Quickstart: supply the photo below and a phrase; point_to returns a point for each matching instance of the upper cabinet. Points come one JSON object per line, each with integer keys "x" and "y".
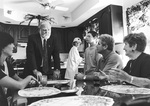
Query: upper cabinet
{"x": 64, "y": 36}
{"x": 107, "y": 21}
{"x": 19, "y": 32}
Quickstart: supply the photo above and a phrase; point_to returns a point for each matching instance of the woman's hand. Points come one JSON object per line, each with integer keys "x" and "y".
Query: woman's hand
{"x": 119, "y": 74}
{"x": 32, "y": 81}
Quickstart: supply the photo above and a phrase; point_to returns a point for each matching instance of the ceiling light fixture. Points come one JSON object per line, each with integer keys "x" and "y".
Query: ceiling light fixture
{"x": 46, "y": 6}
{"x": 52, "y": 4}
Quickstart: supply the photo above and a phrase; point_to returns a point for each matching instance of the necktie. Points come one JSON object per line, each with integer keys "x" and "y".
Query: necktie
{"x": 45, "y": 58}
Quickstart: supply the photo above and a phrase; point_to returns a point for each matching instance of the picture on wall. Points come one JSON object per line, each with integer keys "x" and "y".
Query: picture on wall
{"x": 93, "y": 25}
{"x": 138, "y": 15}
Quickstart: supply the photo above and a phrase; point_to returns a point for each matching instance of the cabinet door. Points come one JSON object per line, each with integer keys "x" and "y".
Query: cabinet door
{"x": 25, "y": 31}
{"x": 105, "y": 24}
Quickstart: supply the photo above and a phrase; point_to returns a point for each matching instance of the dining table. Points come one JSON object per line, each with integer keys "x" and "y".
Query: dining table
{"x": 97, "y": 88}
{"x": 124, "y": 96}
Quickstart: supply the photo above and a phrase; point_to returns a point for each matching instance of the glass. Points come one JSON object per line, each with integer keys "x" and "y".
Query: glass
{"x": 44, "y": 80}
{"x": 56, "y": 74}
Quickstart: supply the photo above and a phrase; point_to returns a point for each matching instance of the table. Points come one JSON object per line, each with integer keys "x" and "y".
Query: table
{"x": 63, "y": 66}
{"x": 93, "y": 88}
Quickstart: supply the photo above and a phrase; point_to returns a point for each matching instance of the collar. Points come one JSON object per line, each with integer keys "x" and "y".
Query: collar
{"x": 47, "y": 37}
{"x": 107, "y": 55}
{"x": 138, "y": 57}
{"x": 42, "y": 38}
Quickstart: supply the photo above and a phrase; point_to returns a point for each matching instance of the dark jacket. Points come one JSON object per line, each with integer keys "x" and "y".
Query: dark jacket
{"x": 34, "y": 54}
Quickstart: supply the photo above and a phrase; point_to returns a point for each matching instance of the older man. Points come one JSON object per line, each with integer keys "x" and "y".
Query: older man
{"x": 40, "y": 48}
{"x": 109, "y": 59}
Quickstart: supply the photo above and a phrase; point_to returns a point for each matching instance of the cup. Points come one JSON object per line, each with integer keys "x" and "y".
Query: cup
{"x": 56, "y": 75}
{"x": 44, "y": 80}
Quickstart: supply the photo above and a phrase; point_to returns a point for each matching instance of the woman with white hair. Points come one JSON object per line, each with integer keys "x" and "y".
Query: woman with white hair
{"x": 74, "y": 60}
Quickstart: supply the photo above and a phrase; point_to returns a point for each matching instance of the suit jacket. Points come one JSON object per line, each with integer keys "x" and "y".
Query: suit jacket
{"x": 34, "y": 54}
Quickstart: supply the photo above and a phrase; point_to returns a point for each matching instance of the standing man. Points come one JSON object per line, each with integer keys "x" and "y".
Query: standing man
{"x": 91, "y": 55}
{"x": 40, "y": 48}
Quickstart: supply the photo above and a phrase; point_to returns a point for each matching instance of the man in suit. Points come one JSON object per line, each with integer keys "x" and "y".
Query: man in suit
{"x": 35, "y": 57}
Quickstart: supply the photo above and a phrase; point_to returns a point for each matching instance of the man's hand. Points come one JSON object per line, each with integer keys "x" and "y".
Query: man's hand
{"x": 79, "y": 76}
{"x": 38, "y": 74}
{"x": 100, "y": 74}
{"x": 56, "y": 74}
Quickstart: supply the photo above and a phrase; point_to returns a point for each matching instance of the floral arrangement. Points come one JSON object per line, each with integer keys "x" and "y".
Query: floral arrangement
{"x": 30, "y": 17}
{"x": 138, "y": 15}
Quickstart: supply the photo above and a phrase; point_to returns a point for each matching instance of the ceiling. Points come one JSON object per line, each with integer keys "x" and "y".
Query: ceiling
{"x": 78, "y": 10}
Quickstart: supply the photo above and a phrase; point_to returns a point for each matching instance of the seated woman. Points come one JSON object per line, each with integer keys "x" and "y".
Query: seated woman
{"x": 9, "y": 79}
{"x": 137, "y": 70}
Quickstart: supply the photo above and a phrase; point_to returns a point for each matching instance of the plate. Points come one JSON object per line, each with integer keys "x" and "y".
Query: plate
{"x": 70, "y": 91}
{"x": 81, "y": 64}
{"x": 58, "y": 81}
{"x": 38, "y": 92}
{"x": 83, "y": 100}
{"x": 126, "y": 89}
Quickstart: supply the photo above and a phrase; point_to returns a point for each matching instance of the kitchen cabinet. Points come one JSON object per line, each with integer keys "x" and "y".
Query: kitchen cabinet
{"x": 64, "y": 36}
{"x": 109, "y": 20}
